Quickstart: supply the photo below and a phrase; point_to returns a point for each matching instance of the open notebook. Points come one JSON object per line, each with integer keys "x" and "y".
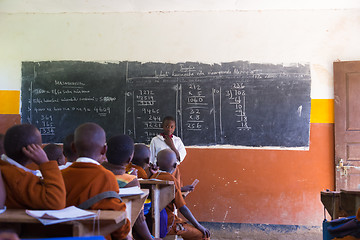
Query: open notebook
{"x": 48, "y": 217}
{"x": 131, "y": 191}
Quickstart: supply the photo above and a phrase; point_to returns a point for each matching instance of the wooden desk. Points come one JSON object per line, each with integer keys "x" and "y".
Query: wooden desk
{"x": 29, "y": 227}
{"x": 350, "y": 201}
{"x": 134, "y": 205}
{"x": 162, "y": 193}
{"x": 331, "y": 202}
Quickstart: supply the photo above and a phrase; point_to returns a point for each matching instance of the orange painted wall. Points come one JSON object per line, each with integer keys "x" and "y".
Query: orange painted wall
{"x": 262, "y": 186}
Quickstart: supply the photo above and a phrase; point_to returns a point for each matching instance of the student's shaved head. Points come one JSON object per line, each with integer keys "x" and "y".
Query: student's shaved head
{"x": 67, "y": 149}
{"x": 89, "y": 140}
{"x": 120, "y": 150}
{"x": 141, "y": 155}
{"x": 20, "y": 136}
{"x": 166, "y": 160}
{"x": 55, "y": 152}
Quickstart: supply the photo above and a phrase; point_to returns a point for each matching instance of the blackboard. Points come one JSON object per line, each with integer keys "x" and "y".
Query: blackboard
{"x": 235, "y": 103}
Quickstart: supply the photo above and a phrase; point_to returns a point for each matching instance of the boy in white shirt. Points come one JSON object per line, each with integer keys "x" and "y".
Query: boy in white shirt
{"x": 167, "y": 140}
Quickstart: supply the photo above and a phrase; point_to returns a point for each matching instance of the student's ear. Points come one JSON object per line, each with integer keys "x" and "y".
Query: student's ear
{"x": 103, "y": 150}
{"x": 147, "y": 160}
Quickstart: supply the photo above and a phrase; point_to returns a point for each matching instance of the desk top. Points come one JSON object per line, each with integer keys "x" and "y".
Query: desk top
{"x": 155, "y": 182}
{"x": 19, "y": 216}
{"x": 138, "y": 196}
{"x": 356, "y": 192}
{"x": 330, "y": 193}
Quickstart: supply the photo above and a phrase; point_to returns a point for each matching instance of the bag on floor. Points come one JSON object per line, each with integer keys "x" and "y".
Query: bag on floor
{"x": 326, "y": 234}
{"x": 163, "y": 222}
{"x": 344, "y": 227}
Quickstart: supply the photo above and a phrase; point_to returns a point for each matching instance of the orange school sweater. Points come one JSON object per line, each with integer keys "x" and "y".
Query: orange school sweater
{"x": 178, "y": 201}
{"x": 85, "y": 180}
{"x": 140, "y": 171}
{"x": 24, "y": 190}
{"x": 32, "y": 166}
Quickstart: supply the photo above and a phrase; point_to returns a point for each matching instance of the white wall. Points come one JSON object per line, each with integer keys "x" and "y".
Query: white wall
{"x": 318, "y": 37}
{"x": 60, "y": 6}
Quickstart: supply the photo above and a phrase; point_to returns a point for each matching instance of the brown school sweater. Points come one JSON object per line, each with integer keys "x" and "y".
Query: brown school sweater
{"x": 179, "y": 199}
{"x": 24, "y": 190}
{"x": 140, "y": 171}
{"x": 33, "y": 166}
{"x": 85, "y": 180}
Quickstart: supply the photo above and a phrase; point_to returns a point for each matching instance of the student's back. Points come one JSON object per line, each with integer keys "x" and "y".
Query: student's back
{"x": 86, "y": 178}
{"x": 119, "y": 154}
{"x": 177, "y": 226}
{"x": 141, "y": 162}
{"x": 23, "y": 188}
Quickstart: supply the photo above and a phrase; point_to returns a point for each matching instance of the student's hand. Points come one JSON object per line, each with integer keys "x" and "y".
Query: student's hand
{"x": 188, "y": 188}
{"x": 168, "y": 140}
{"x": 133, "y": 171}
{"x": 153, "y": 169}
{"x": 206, "y": 232}
{"x": 35, "y": 153}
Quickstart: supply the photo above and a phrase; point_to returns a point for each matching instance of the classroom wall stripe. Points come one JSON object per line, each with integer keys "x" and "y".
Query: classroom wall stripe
{"x": 322, "y": 111}
{"x": 9, "y": 102}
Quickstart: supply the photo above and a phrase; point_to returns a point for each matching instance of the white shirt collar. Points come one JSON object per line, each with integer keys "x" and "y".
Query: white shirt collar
{"x": 16, "y": 164}
{"x": 68, "y": 164}
{"x": 87, "y": 160}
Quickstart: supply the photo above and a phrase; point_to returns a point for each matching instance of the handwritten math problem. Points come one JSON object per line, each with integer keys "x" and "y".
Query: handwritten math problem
{"x": 235, "y": 103}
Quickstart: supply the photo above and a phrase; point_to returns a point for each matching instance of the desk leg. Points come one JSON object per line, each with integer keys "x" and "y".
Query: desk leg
{"x": 129, "y": 214}
{"x": 78, "y": 229}
{"x": 156, "y": 211}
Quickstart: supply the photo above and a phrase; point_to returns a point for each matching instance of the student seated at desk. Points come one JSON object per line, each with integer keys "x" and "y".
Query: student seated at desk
{"x": 86, "y": 178}
{"x": 4, "y": 233}
{"x": 53, "y": 152}
{"x": 141, "y": 162}
{"x": 69, "y": 153}
{"x": 119, "y": 154}
{"x": 22, "y": 145}
{"x": 167, "y": 140}
{"x": 166, "y": 160}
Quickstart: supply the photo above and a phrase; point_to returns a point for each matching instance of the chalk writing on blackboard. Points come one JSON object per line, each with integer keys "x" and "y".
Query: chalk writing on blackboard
{"x": 234, "y": 103}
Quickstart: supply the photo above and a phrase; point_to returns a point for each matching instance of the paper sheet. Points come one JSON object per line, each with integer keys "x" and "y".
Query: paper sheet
{"x": 48, "y": 217}
{"x": 123, "y": 192}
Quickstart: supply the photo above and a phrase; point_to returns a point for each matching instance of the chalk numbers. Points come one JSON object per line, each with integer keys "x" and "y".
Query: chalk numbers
{"x": 237, "y": 97}
{"x": 196, "y": 100}
{"x": 47, "y": 126}
{"x": 151, "y": 115}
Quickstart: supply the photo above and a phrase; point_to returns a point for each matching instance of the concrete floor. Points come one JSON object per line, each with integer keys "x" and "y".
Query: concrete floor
{"x": 257, "y": 235}
{"x": 263, "y": 232}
